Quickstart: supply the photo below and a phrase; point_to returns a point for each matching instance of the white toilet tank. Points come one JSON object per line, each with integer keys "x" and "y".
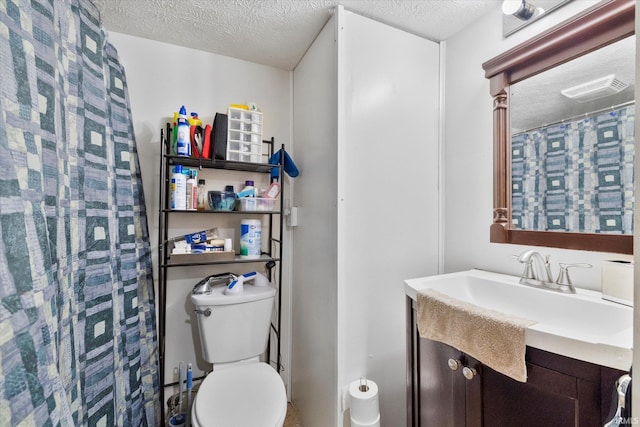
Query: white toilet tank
{"x": 234, "y": 327}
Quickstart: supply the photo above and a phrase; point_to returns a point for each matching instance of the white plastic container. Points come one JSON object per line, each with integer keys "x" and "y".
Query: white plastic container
{"x": 178, "y": 189}
{"x": 256, "y": 204}
{"x": 250, "y": 238}
{"x": 244, "y": 135}
{"x": 617, "y": 281}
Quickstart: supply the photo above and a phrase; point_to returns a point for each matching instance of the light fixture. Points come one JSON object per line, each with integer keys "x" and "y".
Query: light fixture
{"x": 594, "y": 89}
{"x": 521, "y": 9}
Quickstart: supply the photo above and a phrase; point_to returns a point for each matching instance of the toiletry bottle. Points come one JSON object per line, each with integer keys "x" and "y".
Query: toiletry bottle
{"x": 178, "y": 189}
{"x": 202, "y": 196}
{"x": 183, "y": 143}
{"x": 273, "y": 191}
{"x": 192, "y": 192}
{"x": 248, "y": 190}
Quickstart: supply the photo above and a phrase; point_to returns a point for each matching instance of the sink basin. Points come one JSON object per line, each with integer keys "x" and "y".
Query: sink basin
{"x": 582, "y": 325}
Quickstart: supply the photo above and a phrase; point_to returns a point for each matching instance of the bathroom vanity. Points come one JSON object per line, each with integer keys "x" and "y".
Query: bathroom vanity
{"x": 446, "y": 387}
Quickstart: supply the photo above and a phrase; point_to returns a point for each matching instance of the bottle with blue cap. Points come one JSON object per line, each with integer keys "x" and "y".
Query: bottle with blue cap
{"x": 183, "y": 139}
{"x": 178, "y": 189}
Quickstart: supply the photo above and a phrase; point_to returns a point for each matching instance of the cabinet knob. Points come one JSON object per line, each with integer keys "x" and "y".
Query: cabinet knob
{"x": 454, "y": 364}
{"x": 468, "y": 372}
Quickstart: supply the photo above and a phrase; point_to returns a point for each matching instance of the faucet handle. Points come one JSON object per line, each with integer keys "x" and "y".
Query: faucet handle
{"x": 563, "y": 276}
{"x": 521, "y": 257}
{"x": 527, "y": 273}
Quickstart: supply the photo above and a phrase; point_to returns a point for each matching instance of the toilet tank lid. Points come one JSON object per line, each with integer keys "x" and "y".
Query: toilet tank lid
{"x": 218, "y": 297}
{"x": 244, "y": 396}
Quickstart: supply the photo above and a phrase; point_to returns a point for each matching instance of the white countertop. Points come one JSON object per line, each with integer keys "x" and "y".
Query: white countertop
{"x": 582, "y": 326}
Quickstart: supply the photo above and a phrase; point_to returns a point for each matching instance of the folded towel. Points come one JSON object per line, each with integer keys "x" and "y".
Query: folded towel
{"x": 496, "y": 339}
{"x": 289, "y": 167}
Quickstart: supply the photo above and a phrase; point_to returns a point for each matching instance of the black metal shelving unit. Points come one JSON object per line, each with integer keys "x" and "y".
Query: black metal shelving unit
{"x": 270, "y": 259}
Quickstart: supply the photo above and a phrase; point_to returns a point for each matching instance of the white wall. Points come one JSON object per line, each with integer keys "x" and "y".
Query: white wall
{"x": 314, "y": 294}
{"x": 161, "y": 77}
{"x": 368, "y": 147}
{"x": 387, "y": 198}
{"x": 469, "y": 151}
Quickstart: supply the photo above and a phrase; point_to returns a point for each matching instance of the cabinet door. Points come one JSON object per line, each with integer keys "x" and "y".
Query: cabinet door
{"x": 549, "y": 398}
{"x": 441, "y": 389}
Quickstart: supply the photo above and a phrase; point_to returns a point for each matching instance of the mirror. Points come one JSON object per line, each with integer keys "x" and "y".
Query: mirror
{"x": 602, "y": 25}
{"x": 572, "y": 144}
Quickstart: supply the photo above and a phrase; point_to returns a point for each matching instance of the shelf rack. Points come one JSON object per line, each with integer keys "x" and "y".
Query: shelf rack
{"x": 271, "y": 258}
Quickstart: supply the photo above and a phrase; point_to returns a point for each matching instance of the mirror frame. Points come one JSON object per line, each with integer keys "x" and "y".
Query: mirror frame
{"x": 598, "y": 26}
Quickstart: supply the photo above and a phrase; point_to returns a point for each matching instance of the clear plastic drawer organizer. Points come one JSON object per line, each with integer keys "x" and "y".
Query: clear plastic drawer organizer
{"x": 244, "y": 139}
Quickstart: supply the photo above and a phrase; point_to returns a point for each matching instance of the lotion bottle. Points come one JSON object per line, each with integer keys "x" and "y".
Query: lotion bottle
{"x": 192, "y": 192}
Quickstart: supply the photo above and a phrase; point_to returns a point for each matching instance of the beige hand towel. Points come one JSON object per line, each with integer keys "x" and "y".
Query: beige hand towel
{"x": 496, "y": 339}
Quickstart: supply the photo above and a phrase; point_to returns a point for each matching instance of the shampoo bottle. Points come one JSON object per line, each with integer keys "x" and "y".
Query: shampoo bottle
{"x": 178, "y": 189}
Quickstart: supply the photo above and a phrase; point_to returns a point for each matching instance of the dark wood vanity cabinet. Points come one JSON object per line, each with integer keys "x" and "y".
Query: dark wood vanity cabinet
{"x": 559, "y": 392}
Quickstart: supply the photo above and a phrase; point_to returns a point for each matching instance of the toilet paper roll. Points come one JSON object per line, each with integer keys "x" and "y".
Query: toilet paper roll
{"x": 364, "y": 402}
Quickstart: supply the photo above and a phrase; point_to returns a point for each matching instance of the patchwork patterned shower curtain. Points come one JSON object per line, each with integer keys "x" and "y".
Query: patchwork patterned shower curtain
{"x": 78, "y": 342}
{"x": 576, "y": 176}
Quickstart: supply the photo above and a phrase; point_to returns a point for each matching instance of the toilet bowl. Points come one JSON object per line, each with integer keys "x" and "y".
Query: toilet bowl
{"x": 247, "y": 395}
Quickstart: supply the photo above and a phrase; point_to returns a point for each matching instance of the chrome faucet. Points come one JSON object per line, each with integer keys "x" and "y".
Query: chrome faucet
{"x": 535, "y": 276}
{"x": 537, "y": 272}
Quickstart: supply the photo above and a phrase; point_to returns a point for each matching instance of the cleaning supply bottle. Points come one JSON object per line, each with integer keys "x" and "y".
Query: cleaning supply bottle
{"x": 178, "y": 189}
{"x": 248, "y": 190}
{"x": 192, "y": 192}
{"x": 202, "y": 196}
{"x": 194, "y": 120}
{"x": 250, "y": 238}
{"x": 174, "y": 134}
{"x": 183, "y": 141}
{"x": 196, "y": 135}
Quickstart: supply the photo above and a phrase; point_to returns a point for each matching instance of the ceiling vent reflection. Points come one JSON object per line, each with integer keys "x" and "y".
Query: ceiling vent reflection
{"x": 595, "y": 89}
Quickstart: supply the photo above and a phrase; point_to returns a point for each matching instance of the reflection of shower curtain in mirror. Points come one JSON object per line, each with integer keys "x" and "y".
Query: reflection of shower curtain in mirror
{"x": 77, "y": 316}
{"x": 576, "y": 176}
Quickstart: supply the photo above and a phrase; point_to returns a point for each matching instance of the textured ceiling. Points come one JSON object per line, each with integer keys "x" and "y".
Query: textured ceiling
{"x": 276, "y": 32}
{"x": 537, "y": 101}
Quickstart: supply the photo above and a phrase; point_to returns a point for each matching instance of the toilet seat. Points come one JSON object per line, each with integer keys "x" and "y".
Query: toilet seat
{"x": 251, "y": 395}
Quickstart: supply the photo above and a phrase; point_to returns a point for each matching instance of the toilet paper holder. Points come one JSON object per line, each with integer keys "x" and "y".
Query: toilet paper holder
{"x": 364, "y": 405}
{"x": 363, "y": 387}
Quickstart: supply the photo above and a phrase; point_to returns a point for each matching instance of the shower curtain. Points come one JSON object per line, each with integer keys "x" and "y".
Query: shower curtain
{"x": 576, "y": 176}
{"x": 78, "y": 342}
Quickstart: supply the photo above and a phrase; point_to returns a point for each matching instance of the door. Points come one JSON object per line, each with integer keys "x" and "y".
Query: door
{"x": 442, "y": 386}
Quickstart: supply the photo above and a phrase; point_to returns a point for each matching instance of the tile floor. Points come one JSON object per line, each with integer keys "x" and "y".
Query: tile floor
{"x": 293, "y": 418}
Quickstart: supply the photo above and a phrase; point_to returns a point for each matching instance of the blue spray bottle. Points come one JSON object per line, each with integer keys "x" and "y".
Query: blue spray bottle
{"x": 183, "y": 142}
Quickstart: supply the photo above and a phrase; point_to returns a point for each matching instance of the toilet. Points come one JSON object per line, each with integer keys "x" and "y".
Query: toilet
{"x": 233, "y": 324}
